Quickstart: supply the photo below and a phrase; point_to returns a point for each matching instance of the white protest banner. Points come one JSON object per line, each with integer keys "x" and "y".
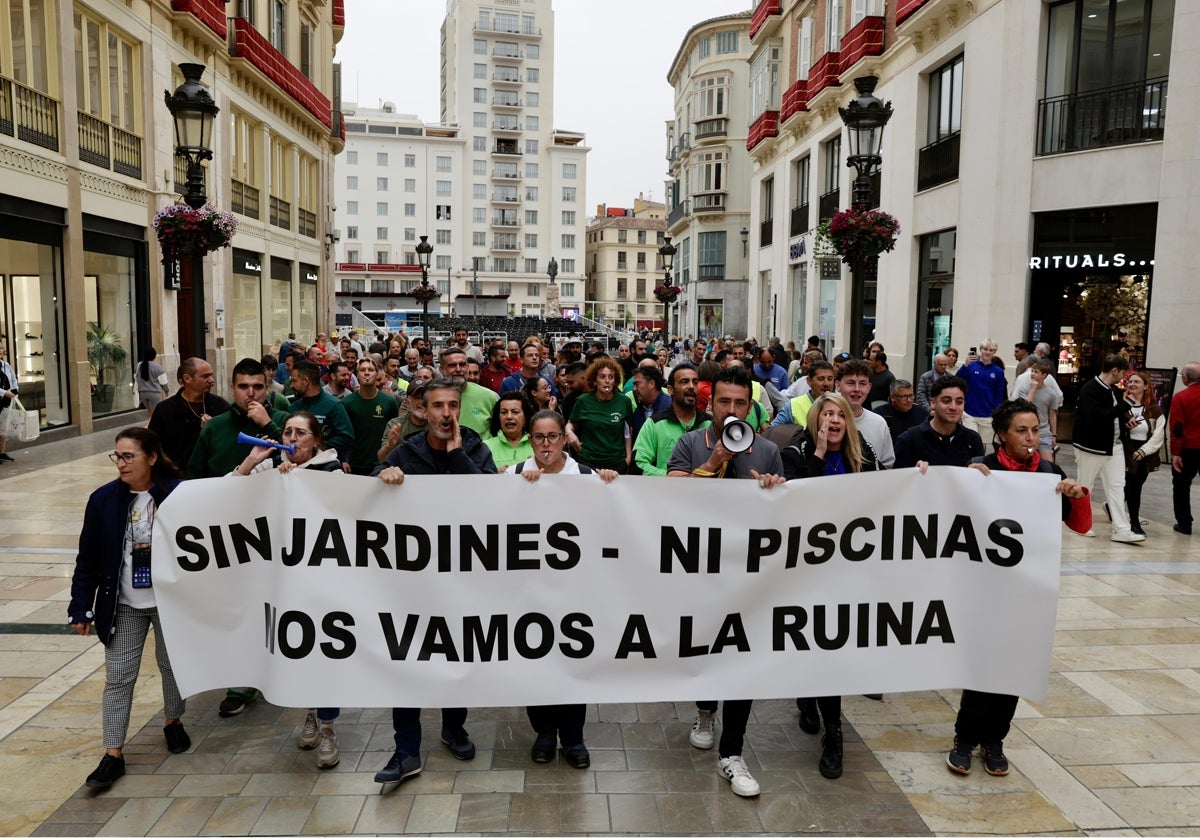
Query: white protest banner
{"x": 334, "y": 590}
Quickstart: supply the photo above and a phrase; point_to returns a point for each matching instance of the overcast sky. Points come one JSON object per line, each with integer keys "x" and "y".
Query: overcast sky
{"x": 610, "y": 82}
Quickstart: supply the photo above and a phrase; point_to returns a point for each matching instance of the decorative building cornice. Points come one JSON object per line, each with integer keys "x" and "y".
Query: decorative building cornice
{"x": 22, "y": 161}
{"x": 92, "y": 182}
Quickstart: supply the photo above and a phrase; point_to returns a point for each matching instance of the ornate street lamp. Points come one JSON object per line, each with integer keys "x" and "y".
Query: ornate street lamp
{"x": 666, "y": 251}
{"x": 865, "y": 119}
{"x": 424, "y": 250}
{"x": 193, "y": 110}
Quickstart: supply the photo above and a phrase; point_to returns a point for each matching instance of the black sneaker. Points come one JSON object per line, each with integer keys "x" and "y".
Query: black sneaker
{"x": 830, "y": 763}
{"x": 959, "y": 759}
{"x": 4, "y": 456}
{"x": 810, "y": 717}
{"x": 235, "y": 702}
{"x": 459, "y": 743}
{"x": 399, "y": 768}
{"x": 177, "y": 739}
{"x": 993, "y": 758}
{"x": 578, "y": 756}
{"x": 111, "y": 768}
{"x": 1183, "y": 529}
{"x": 543, "y": 748}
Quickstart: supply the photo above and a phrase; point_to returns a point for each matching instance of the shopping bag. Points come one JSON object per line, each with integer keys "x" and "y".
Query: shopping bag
{"x": 16, "y": 422}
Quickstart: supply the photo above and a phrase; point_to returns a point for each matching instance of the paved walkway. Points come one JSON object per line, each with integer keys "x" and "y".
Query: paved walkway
{"x": 1115, "y": 749}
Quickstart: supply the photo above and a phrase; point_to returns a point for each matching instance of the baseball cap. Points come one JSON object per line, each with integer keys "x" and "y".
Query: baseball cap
{"x": 842, "y": 358}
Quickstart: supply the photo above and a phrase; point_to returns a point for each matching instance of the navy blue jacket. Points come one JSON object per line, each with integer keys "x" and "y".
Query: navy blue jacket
{"x": 414, "y": 455}
{"x": 960, "y": 448}
{"x": 96, "y": 584}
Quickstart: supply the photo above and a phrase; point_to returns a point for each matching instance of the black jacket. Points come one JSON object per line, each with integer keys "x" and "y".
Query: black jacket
{"x": 799, "y": 462}
{"x": 415, "y": 456}
{"x": 178, "y": 427}
{"x": 96, "y": 584}
{"x": 1095, "y": 410}
{"x": 922, "y": 443}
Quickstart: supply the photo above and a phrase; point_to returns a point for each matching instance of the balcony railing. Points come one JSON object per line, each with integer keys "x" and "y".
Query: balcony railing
{"x": 1115, "y": 116}
{"x": 106, "y": 145}
{"x": 679, "y": 211}
{"x": 244, "y": 199}
{"x": 799, "y": 220}
{"x": 306, "y": 223}
{"x": 505, "y": 52}
{"x": 28, "y": 115}
{"x": 937, "y": 163}
{"x": 766, "y": 232}
{"x": 281, "y": 213}
{"x": 827, "y": 205}
{"x": 506, "y": 78}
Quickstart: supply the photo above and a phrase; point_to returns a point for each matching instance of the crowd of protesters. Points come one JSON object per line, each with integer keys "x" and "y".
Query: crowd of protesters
{"x": 395, "y": 406}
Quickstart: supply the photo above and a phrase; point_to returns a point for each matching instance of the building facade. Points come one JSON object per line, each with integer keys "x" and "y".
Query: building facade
{"x": 1042, "y": 192}
{"x": 624, "y": 266}
{"x": 87, "y": 156}
{"x": 709, "y": 190}
{"x": 512, "y": 199}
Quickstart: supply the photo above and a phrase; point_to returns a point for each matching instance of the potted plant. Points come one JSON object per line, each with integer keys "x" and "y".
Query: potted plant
{"x": 104, "y": 351}
{"x": 861, "y": 233}
{"x": 182, "y": 230}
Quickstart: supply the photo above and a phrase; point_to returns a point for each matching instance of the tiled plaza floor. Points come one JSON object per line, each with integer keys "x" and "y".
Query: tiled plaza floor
{"x": 1115, "y": 749}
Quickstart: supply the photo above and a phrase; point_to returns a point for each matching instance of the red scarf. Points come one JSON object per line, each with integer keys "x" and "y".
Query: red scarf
{"x": 1010, "y": 463}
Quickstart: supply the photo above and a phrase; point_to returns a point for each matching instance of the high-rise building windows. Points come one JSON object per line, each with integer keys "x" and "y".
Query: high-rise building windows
{"x": 531, "y": 170}
{"x": 533, "y": 289}
{"x": 410, "y": 234}
{"x": 479, "y": 167}
{"x": 381, "y": 208}
{"x": 531, "y": 217}
{"x": 410, "y": 184}
{"x": 443, "y": 188}
{"x": 532, "y": 75}
{"x": 479, "y": 144}
{"x": 568, "y": 267}
{"x": 480, "y": 71}
{"x": 533, "y": 51}
{"x": 351, "y": 182}
{"x": 532, "y": 99}
{"x": 568, "y": 217}
{"x": 531, "y": 193}
{"x": 410, "y": 161}
{"x": 530, "y": 265}
{"x": 410, "y": 209}
{"x": 351, "y": 208}
{"x": 531, "y": 240}
{"x": 443, "y": 163}
{"x": 531, "y": 147}
{"x": 478, "y": 216}
{"x": 479, "y": 96}
{"x": 443, "y": 237}
{"x": 381, "y": 158}
{"x": 381, "y": 184}
{"x": 479, "y": 119}
{"x": 568, "y": 240}
{"x": 531, "y": 123}
{"x": 569, "y": 170}
{"x": 568, "y": 194}
{"x": 381, "y": 234}
{"x": 479, "y": 191}
{"x": 479, "y": 238}
{"x": 480, "y": 46}
{"x": 351, "y": 232}
{"x": 352, "y": 158}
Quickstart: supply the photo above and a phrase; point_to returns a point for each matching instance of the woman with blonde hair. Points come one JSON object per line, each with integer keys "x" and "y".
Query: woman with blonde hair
{"x": 830, "y": 445}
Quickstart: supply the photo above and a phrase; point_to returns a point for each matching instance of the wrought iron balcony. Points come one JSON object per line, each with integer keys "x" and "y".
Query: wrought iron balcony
{"x": 937, "y": 163}
{"x": 28, "y": 115}
{"x": 827, "y": 205}
{"x": 281, "y": 213}
{"x": 1114, "y": 116}
{"x": 244, "y": 199}
{"x": 106, "y": 145}
{"x": 678, "y": 212}
{"x": 799, "y": 220}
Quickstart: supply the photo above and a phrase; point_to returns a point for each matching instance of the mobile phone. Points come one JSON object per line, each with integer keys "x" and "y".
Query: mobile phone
{"x": 140, "y": 557}
{"x": 974, "y": 351}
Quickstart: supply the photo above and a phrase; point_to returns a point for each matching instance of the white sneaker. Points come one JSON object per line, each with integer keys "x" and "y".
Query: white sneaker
{"x": 1088, "y": 533}
{"x": 734, "y": 769}
{"x": 1127, "y": 536}
{"x": 310, "y": 735}
{"x": 701, "y": 736}
{"x": 327, "y": 753}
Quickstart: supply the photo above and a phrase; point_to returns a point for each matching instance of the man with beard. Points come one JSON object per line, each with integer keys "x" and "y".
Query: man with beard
{"x": 446, "y": 448}
{"x": 475, "y": 404}
{"x": 179, "y": 418}
{"x": 493, "y": 374}
{"x": 701, "y": 454}
{"x": 658, "y": 436}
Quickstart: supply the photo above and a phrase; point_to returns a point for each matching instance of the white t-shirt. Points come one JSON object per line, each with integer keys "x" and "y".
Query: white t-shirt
{"x": 571, "y": 467}
{"x": 138, "y": 531}
{"x": 875, "y": 431}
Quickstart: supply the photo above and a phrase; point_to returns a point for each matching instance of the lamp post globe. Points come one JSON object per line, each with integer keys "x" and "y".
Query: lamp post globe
{"x": 193, "y": 112}
{"x": 424, "y": 251}
{"x": 667, "y": 252}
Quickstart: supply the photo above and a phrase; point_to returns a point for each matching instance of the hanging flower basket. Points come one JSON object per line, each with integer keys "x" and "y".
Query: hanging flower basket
{"x": 421, "y": 293}
{"x": 859, "y": 233}
{"x": 667, "y": 294}
{"x": 183, "y": 231}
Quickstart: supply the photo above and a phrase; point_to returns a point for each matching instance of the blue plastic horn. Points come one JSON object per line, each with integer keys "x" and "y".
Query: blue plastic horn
{"x": 289, "y": 448}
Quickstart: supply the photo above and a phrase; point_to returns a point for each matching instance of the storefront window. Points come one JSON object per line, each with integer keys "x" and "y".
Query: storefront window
{"x": 799, "y": 300}
{"x": 108, "y": 286}
{"x": 281, "y": 299}
{"x": 31, "y": 326}
{"x": 306, "y": 320}
{"x": 831, "y": 276}
{"x": 936, "y": 296}
{"x": 245, "y": 305}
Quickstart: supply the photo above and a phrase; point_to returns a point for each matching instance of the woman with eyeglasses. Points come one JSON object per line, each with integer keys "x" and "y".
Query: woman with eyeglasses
{"x": 563, "y": 722}
{"x": 539, "y": 393}
{"x": 509, "y": 442}
{"x": 112, "y": 591}
{"x": 303, "y": 431}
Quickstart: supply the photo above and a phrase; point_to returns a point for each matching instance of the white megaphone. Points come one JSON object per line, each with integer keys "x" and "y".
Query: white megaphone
{"x": 737, "y": 435}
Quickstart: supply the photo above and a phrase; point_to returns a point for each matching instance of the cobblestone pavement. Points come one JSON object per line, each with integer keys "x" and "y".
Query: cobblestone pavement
{"x": 1115, "y": 749}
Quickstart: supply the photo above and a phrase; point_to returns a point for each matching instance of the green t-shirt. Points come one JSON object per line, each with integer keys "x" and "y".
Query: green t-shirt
{"x": 476, "y": 403}
{"x": 600, "y": 427}
{"x": 368, "y": 417}
{"x": 505, "y": 454}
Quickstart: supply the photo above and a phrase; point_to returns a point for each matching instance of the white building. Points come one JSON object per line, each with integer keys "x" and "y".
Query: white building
{"x": 512, "y": 197}
{"x": 1031, "y": 141}
{"x": 709, "y": 191}
{"x": 624, "y": 266}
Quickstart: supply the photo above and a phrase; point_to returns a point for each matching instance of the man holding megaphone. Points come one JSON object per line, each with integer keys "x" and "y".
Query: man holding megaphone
{"x": 218, "y": 451}
{"x": 727, "y": 449}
